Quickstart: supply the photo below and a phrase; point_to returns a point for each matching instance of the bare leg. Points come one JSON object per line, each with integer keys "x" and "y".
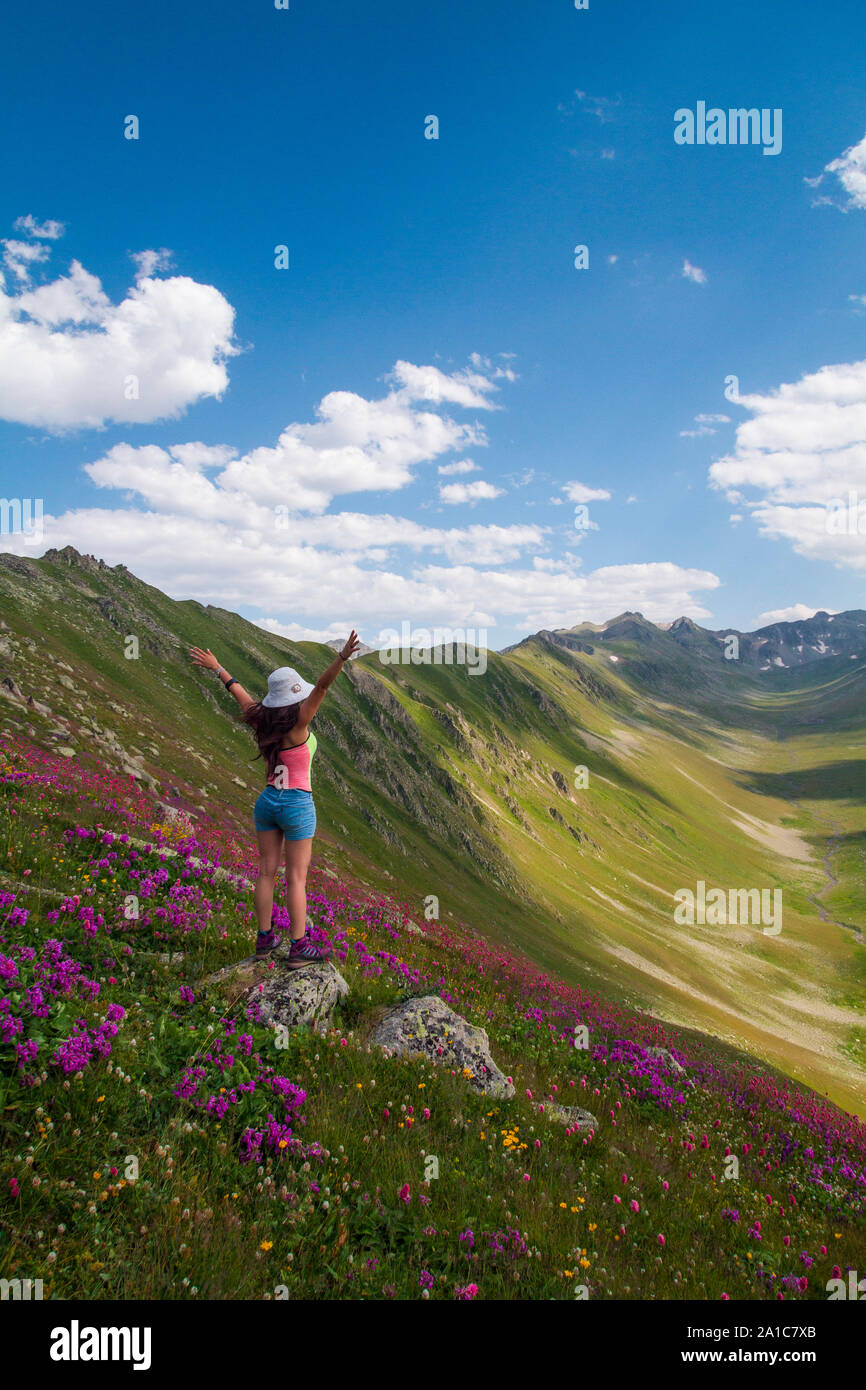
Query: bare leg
{"x": 270, "y": 849}
{"x": 298, "y": 854}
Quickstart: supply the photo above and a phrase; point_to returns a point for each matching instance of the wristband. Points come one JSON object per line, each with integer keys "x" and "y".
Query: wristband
{"x": 229, "y": 684}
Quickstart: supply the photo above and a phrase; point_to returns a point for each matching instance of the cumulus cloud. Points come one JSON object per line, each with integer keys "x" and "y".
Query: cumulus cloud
{"x": 70, "y": 358}
{"x": 448, "y": 470}
{"x": 20, "y": 256}
{"x": 454, "y": 493}
{"x": 308, "y": 569}
{"x": 850, "y": 170}
{"x": 297, "y": 632}
{"x": 253, "y": 531}
{"x": 354, "y": 445}
{"x": 579, "y": 492}
{"x": 465, "y": 388}
{"x": 799, "y": 464}
{"x": 147, "y": 263}
{"x": 796, "y": 613}
{"x": 694, "y": 273}
{"x": 51, "y": 230}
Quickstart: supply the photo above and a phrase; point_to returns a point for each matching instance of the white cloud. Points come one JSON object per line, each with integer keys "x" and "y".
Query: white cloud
{"x": 246, "y": 563}
{"x": 253, "y": 531}
{"x": 454, "y": 493}
{"x": 70, "y": 358}
{"x": 694, "y": 272}
{"x": 355, "y": 445}
{"x": 801, "y": 459}
{"x": 51, "y": 230}
{"x": 147, "y": 263}
{"x": 850, "y": 169}
{"x": 19, "y": 256}
{"x": 462, "y": 466}
{"x": 296, "y": 632}
{"x": 464, "y": 388}
{"x": 796, "y": 613}
{"x": 579, "y": 492}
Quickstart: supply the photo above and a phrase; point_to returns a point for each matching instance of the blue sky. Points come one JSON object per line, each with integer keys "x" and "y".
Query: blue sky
{"x": 277, "y": 459}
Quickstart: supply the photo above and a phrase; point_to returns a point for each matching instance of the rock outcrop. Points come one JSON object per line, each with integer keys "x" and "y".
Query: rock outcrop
{"x": 302, "y": 998}
{"x": 427, "y": 1025}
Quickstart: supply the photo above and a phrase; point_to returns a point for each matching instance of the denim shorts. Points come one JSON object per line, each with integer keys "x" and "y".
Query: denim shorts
{"x": 288, "y": 809}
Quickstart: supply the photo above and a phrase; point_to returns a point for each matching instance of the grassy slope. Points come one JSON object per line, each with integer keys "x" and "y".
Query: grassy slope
{"x": 113, "y": 1184}
{"x": 463, "y": 787}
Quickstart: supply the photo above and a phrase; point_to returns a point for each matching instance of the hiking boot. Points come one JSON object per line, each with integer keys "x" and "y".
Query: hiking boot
{"x": 265, "y": 944}
{"x": 303, "y": 952}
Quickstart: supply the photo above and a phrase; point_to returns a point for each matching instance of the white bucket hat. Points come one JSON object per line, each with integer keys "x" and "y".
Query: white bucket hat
{"x": 286, "y": 687}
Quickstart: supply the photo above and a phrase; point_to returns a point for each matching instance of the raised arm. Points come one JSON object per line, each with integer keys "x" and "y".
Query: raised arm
{"x": 319, "y": 690}
{"x": 208, "y": 661}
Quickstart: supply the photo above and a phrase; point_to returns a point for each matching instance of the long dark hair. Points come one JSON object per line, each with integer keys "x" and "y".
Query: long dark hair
{"x": 270, "y": 727}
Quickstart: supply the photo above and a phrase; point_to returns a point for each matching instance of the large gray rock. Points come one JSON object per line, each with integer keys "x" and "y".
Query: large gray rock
{"x": 429, "y": 1026}
{"x": 303, "y": 998}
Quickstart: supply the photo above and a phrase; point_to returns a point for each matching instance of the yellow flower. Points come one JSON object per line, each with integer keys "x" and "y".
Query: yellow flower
{"x": 593, "y": 1225}
{"x": 266, "y": 1245}
{"x": 99, "y": 1099}
{"x": 97, "y": 1175}
{"x": 562, "y": 1204}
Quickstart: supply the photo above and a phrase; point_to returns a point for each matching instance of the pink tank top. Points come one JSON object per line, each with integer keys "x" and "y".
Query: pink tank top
{"x": 292, "y": 772}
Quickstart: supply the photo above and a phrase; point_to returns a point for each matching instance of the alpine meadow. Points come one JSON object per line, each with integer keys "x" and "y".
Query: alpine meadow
{"x": 433, "y": 679}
